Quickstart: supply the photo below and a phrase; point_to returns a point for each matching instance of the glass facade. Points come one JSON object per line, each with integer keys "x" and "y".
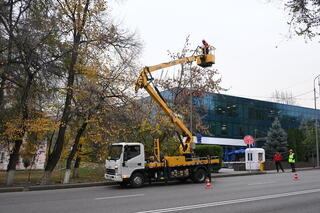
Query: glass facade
{"x": 234, "y": 117}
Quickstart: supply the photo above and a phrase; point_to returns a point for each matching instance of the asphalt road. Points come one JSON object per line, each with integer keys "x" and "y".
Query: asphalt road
{"x": 258, "y": 193}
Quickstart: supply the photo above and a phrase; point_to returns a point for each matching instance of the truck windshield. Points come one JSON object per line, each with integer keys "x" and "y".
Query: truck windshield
{"x": 115, "y": 152}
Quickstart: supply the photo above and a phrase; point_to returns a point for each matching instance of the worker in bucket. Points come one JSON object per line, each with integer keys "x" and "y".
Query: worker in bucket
{"x": 205, "y": 48}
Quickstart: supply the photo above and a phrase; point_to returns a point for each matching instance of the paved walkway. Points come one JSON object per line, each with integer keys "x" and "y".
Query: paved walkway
{"x": 224, "y": 172}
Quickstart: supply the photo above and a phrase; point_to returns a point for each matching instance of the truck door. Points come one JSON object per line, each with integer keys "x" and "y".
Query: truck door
{"x": 133, "y": 158}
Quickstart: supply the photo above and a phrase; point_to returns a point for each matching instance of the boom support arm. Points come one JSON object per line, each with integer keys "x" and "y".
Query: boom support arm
{"x": 144, "y": 82}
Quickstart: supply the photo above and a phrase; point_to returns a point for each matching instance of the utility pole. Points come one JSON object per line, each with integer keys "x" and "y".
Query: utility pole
{"x": 316, "y": 117}
{"x": 191, "y": 101}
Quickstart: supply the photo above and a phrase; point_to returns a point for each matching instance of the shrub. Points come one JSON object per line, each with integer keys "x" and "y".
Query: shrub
{"x": 212, "y": 150}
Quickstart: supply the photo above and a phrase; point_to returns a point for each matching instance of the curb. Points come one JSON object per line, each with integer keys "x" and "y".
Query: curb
{"x": 289, "y": 170}
{"x": 241, "y": 174}
{"x": 52, "y": 187}
{"x": 66, "y": 186}
{"x": 12, "y": 189}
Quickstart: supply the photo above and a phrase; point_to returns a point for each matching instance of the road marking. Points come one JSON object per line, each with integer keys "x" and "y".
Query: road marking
{"x": 228, "y": 202}
{"x": 261, "y": 183}
{"x": 120, "y": 196}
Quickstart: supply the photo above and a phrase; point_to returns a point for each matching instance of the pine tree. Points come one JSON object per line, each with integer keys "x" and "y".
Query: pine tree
{"x": 276, "y": 140}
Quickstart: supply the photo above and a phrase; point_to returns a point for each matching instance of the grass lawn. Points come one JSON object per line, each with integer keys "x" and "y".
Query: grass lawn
{"x": 89, "y": 173}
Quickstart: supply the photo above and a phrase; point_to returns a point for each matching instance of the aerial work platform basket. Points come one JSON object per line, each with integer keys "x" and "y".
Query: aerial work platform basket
{"x": 206, "y": 60}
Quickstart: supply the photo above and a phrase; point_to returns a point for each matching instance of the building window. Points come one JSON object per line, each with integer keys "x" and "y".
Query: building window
{"x": 224, "y": 129}
{"x": 249, "y": 156}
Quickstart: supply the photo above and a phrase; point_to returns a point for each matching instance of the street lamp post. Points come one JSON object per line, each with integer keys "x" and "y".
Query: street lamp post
{"x": 316, "y": 118}
{"x": 191, "y": 101}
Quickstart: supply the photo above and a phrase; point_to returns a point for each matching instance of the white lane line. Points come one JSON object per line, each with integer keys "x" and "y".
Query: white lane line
{"x": 261, "y": 183}
{"x": 120, "y": 196}
{"x": 228, "y": 202}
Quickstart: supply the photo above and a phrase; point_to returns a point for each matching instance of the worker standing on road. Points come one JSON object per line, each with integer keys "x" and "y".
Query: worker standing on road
{"x": 292, "y": 160}
{"x": 277, "y": 160}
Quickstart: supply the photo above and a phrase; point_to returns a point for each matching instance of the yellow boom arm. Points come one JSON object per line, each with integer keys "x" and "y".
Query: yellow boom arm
{"x": 205, "y": 60}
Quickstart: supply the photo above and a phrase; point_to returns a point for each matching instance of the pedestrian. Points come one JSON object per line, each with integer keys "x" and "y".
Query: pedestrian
{"x": 205, "y": 47}
{"x": 277, "y": 160}
{"x": 292, "y": 160}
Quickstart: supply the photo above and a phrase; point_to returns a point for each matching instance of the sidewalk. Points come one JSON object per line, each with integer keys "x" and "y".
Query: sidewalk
{"x": 222, "y": 173}
{"x": 289, "y": 170}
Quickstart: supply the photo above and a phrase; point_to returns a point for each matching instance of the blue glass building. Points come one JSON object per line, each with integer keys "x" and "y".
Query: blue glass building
{"x": 230, "y": 117}
{"x": 234, "y": 117}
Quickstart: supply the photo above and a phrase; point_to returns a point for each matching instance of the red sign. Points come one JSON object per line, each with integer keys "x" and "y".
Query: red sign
{"x": 248, "y": 139}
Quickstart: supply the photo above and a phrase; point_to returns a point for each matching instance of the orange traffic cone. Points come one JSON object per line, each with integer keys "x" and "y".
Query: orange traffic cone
{"x": 295, "y": 177}
{"x": 208, "y": 184}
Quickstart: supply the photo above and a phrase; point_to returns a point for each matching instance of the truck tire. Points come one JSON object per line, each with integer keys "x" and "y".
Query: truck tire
{"x": 136, "y": 180}
{"x": 199, "y": 176}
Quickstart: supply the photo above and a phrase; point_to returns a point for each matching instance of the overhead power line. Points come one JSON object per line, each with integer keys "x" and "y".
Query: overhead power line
{"x": 310, "y": 91}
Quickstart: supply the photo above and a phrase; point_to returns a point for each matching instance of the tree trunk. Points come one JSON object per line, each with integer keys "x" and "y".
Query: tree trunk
{"x": 57, "y": 149}
{"x": 46, "y": 177}
{"x": 77, "y": 164}
{"x": 49, "y": 146}
{"x": 67, "y": 176}
{"x": 2, "y": 87}
{"x": 55, "y": 155}
{"x": 74, "y": 151}
{"x": 14, "y": 158}
{"x": 10, "y": 177}
{"x": 78, "y": 31}
{"x": 76, "y": 168}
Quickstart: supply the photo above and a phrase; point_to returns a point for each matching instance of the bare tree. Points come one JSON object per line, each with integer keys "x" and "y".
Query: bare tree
{"x": 283, "y": 97}
{"x": 304, "y": 17}
{"x": 190, "y": 81}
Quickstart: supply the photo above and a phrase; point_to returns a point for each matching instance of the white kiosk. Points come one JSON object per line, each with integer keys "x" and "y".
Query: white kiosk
{"x": 254, "y": 157}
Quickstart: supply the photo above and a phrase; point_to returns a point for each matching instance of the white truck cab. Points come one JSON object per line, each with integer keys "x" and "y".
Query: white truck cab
{"x": 126, "y": 165}
{"x": 124, "y": 162}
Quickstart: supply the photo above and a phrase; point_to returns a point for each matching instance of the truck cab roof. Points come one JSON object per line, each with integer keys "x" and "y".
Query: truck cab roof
{"x": 127, "y": 143}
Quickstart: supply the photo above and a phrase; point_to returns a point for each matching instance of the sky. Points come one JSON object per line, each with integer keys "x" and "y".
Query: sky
{"x": 254, "y": 53}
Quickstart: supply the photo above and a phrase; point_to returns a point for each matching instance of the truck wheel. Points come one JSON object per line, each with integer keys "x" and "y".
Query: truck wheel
{"x": 199, "y": 176}
{"x": 136, "y": 180}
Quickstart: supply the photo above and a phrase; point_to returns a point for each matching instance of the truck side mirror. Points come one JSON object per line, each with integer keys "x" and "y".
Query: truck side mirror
{"x": 125, "y": 153}
{"x": 125, "y": 156}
